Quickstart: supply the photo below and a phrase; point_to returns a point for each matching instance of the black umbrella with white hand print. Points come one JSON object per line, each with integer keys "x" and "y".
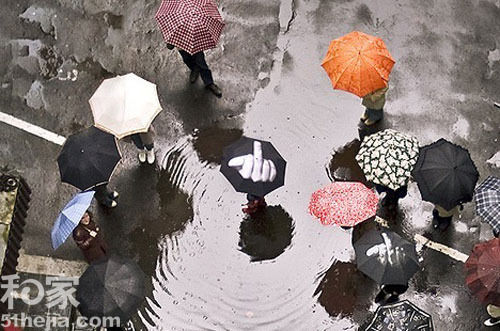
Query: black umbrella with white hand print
{"x": 253, "y": 166}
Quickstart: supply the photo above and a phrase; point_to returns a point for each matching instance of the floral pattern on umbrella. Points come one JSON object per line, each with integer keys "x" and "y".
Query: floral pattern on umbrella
{"x": 343, "y": 203}
{"x": 388, "y": 157}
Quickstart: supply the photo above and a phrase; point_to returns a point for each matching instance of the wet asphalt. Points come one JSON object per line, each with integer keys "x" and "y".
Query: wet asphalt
{"x": 211, "y": 267}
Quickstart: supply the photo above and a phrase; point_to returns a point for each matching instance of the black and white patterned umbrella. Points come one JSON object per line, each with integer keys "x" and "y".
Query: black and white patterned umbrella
{"x": 401, "y": 316}
{"x": 487, "y": 198}
{"x": 388, "y": 157}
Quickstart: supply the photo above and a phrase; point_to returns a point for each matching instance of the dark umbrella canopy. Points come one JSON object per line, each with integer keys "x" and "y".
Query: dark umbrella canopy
{"x": 88, "y": 158}
{"x": 401, "y": 316}
{"x": 244, "y": 146}
{"x": 483, "y": 271}
{"x": 112, "y": 288}
{"x": 386, "y": 258}
{"x": 487, "y": 198}
{"x": 445, "y": 174}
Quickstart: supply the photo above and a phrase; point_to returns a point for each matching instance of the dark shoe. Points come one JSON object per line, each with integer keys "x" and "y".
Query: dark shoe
{"x": 381, "y": 296}
{"x": 492, "y": 321}
{"x": 252, "y": 207}
{"x": 215, "y": 90}
{"x": 435, "y": 219}
{"x": 193, "y": 76}
{"x": 393, "y": 298}
{"x": 444, "y": 223}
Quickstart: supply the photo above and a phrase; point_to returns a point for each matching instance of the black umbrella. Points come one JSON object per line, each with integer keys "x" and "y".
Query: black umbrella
{"x": 445, "y": 174}
{"x": 403, "y": 316}
{"x": 88, "y": 158}
{"x": 386, "y": 258}
{"x": 111, "y": 288}
{"x": 244, "y": 146}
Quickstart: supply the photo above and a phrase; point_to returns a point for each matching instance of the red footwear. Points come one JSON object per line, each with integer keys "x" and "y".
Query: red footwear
{"x": 252, "y": 207}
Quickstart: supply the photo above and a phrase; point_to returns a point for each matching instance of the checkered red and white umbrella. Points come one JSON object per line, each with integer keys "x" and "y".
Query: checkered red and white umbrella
{"x": 191, "y": 25}
{"x": 343, "y": 203}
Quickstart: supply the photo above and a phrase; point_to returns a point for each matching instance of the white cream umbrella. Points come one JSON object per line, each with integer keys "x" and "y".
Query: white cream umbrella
{"x": 125, "y": 105}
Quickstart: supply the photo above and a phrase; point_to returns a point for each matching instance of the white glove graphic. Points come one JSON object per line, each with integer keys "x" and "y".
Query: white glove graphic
{"x": 254, "y": 166}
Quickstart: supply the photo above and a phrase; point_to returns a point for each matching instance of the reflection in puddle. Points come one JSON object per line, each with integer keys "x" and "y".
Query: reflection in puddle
{"x": 344, "y": 290}
{"x": 343, "y": 165}
{"x": 266, "y": 235}
{"x": 209, "y": 142}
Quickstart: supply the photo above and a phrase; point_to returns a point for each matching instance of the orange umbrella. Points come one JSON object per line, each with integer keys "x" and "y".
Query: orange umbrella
{"x": 358, "y": 63}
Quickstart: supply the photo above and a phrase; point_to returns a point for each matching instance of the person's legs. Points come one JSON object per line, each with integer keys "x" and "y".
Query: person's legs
{"x": 104, "y": 196}
{"x": 136, "y": 138}
{"x": 147, "y": 140}
{"x": 189, "y": 60}
{"x": 373, "y": 116}
{"x": 255, "y": 203}
{"x": 205, "y": 72}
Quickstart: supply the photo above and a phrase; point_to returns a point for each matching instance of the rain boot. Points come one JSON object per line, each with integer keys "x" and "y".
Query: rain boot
{"x": 252, "y": 207}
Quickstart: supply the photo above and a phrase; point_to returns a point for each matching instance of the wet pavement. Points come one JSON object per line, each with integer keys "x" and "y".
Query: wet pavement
{"x": 212, "y": 268}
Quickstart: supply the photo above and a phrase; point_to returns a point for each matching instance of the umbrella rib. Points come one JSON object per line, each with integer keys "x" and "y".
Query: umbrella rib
{"x": 345, "y": 69}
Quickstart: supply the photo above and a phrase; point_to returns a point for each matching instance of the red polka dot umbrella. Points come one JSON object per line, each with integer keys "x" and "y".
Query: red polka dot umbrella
{"x": 343, "y": 203}
{"x": 191, "y": 25}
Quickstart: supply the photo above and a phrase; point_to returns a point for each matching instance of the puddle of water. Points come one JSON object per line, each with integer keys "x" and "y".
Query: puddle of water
{"x": 266, "y": 235}
{"x": 344, "y": 290}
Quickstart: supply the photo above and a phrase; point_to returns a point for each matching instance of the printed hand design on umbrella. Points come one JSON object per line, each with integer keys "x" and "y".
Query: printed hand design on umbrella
{"x": 487, "y": 198}
{"x": 445, "y": 174}
{"x": 403, "y": 315}
{"x": 125, "y": 105}
{"x": 343, "y": 203}
{"x": 358, "y": 63}
{"x": 483, "y": 271}
{"x": 388, "y": 157}
{"x": 88, "y": 158}
{"x": 192, "y": 26}
{"x": 254, "y": 166}
{"x": 237, "y": 173}
{"x": 70, "y": 217}
{"x": 386, "y": 258}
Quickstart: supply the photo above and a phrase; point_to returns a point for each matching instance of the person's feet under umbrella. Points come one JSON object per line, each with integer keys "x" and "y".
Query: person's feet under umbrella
{"x": 193, "y": 76}
{"x": 215, "y": 90}
{"x": 150, "y": 155}
{"x": 381, "y": 296}
{"x": 492, "y": 321}
{"x": 142, "y": 156}
{"x": 254, "y": 206}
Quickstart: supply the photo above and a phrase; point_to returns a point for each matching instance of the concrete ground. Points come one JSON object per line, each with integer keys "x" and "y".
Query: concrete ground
{"x": 180, "y": 220}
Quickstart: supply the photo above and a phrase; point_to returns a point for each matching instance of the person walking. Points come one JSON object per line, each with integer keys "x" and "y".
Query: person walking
{"x": 441, "y": 218}
{"x": 199, "y": 67}
{"x": 392, "y": 197}
{"x": 88, "y": 238}
{"x": 494, "y": 312}
{"x": 389, "y": 293}
{"x": 145, "y": 143}
{"x": 374, "y": 106}
{"x": 105, "y": 197}
{"x": 254, "y": 204}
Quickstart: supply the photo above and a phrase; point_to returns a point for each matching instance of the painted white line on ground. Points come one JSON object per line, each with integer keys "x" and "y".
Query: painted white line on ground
{"x": 453, "y": 253}
{"x": 33, "y": 129}
{"x": 42, "y": 265}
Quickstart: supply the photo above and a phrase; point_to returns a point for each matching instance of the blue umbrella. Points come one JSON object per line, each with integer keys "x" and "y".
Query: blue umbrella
{"x": 69, "y": 217}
